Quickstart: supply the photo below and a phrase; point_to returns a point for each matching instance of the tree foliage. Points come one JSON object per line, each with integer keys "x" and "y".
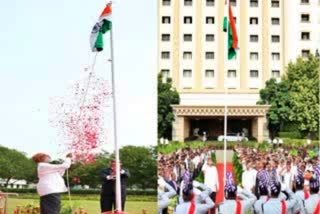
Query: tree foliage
{"x": 140, "y": 161}
{"x": 296, "y": 98}
{"x": 304, "y": 93}
{"x": 167, "y": 96}
{"x": 15, "y": 165}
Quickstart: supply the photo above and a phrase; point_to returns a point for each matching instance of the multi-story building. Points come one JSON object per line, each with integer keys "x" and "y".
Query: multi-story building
{"x": 192, "y": 51}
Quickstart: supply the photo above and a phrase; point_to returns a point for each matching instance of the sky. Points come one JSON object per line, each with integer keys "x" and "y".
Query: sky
{"x": 44, "y": 48}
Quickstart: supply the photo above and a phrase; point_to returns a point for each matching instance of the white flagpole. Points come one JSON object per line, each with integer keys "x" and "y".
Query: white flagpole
{"x": 116, "y": 149}
{"x": 225, "y": 106}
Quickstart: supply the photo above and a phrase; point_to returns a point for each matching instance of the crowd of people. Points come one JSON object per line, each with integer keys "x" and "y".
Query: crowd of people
{"x": 273, "y": 181}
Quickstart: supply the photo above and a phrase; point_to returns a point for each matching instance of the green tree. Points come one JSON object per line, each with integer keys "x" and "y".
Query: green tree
{"x": 141, "y": 164}
{"x": 15, "y": 165}
{"x": 295, "y": 99}
{"x": 304, "y": 94}
{"x": 140, "y": 161}
{"x": 167, "y": 96}
{"x": 276, "y": 95}
{"x": 89, "y": 174}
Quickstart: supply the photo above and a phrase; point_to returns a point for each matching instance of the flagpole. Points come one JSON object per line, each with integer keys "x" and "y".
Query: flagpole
{"x": 118, "y": 181}
{"x": 225, "y": 106}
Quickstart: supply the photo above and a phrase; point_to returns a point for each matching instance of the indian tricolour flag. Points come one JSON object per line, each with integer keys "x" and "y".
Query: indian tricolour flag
{"x": 229, "y": 26}
{"x": 104, "y": 25}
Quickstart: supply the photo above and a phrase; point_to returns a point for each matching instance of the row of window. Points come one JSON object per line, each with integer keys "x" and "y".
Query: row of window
{"x": 254, "y": 56}
{"x": 187, "y": 55}
{"x": 187, "y": 73}
{"x": 210, "y": 20}
{"x": 211, "y": 37}
{"x": 305, "y": 18}
{"x": 186, "y": 37}
{"x": 210, "y": 3}
{"x": 253, "y": 3}
{"x": 305, "y": 36}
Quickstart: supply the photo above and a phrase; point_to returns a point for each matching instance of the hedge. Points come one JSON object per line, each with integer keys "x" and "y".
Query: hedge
{"x": 290, "y": 135}
{"x": 86, "y": 191}
{"x": 237, "y": 166}
{"x": 287, "y": 144}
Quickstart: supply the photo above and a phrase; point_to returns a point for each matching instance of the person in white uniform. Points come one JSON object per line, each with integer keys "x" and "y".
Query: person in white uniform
{"x": 300, "y": 194}
{"x": 164, "y": 196}
{"x": 312, "y": 204}
{"x": 275, "y": 204}
{"x": 231, "y": 205}
{"x": 192, "y": 203}
{"x": 51, "y": 183}
{"x": 263, "y": 192}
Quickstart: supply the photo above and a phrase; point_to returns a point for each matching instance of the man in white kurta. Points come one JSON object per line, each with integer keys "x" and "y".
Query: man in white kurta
{"x": 211, "y": 178}
{"x": 249, "y": 178}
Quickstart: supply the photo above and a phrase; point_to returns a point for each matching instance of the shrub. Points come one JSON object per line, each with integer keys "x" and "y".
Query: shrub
{"x": 290, "y": 135}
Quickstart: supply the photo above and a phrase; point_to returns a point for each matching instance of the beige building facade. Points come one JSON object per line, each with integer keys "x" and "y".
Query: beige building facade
{"x": 192, "y": 51}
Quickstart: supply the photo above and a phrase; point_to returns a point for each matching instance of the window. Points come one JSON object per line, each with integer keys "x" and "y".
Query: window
{"x": 209, "y": 74}
{"x": 165, "y": 37}
{"x": 305, "y": 36}
{"x": 165, "y": 74}
{"x": 254, "y": 56}
{"x": 275, "y": 3}
{"x": 187, "y": 55}
{"x": 209, "y": 55}
{"x": 275, "y": 38}
{"x": 275, "y": 73}
{"x": 305, "y": 53}
{"x": 305, "y": 18}
{"x": 253, "y": 20}
{"x": 187, "y": 73}
{"x": 166, "y": 20}
{"x": 232, "y": 74}
{"x": 254, "y": 38}
{"x": 233, "y": 3}
{"x": 166, "y": 2}
{"x": 187, "y": 2}
{"x": 254, "y": 73}
{"x": 187, "y": 20}
{"x": 165, "y": 55}
{"x": 275, "y": 56}
{"x": 254, "y": 3}
{"x": 210, "y": 3}
{"x": 187, "y": 37}
{"x": 209, "y": 37}
{"x": 304, "y": 1}
{"x": 209, "y": 20}
{"x": 275, "y": 21}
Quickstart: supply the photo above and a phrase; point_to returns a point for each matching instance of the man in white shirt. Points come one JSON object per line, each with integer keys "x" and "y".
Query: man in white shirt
{"x": 249, "y": 177}
{"x": 211, "y": 179}
{"x": 288, "y": 176}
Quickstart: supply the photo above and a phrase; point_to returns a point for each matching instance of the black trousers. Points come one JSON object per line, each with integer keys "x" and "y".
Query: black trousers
{"x": 50, "y": 204}
{"x": 213, "y": 198}
{"x": 109, "y": 204}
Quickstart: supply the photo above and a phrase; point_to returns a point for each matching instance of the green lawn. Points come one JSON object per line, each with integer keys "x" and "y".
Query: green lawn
{"x": 93, "y": 207}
